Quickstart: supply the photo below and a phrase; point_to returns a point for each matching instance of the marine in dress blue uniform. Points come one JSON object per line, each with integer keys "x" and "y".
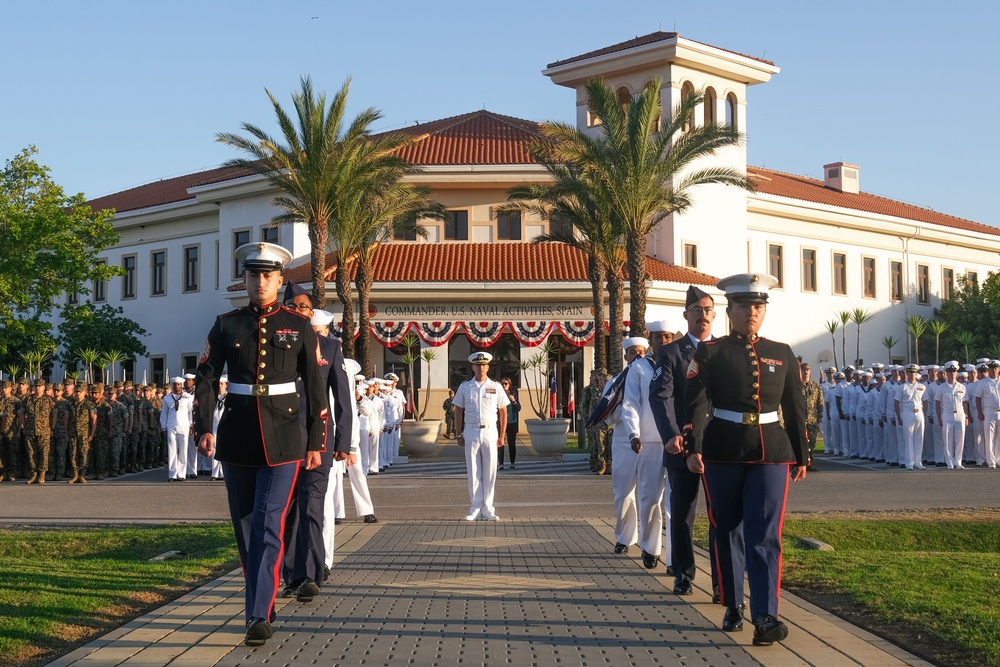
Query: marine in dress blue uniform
{"x": 667, "y": 401}
{"x": 744, "y": 452}
{"x": 260, "y": 442}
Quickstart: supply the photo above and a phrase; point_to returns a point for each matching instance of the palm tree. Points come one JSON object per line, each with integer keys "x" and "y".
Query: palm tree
{"x": 890, "y": 342}
{"x": 573, "y": 198}
{"x": 89, "y": 356}
{"x": 112, "y": 357}
{"x": 311, "y": 163}
{"x": 845, "y": 317}
{"x": 994, "y": 351}
{"x": 832, "y": 327}
{"x": 916, "y": 326}
{"x": 365, "y": 218}
{"x": 643, "y": 169}
{"x": 966, "y": 339}
{"x": 937, "y": 328}
{"x": 859, "y": 316}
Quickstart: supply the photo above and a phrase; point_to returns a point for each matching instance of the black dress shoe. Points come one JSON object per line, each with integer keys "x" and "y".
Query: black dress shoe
{"x": 768, "y": 630}
{"x": 307, "y": 591}
{"x": 289, "y": 591}
{"x": 258, "y": 632}
{"x": 621, "y": 548}
{"x": 326, "y": 573}
{"x": 370, "y": 518}
{"x": 649, "y": 561}
{"x": 337, "y": 522}
{"x": 670, "y": 571}
{"x": 733, "y": 620}
{"x": 683, "y": 587}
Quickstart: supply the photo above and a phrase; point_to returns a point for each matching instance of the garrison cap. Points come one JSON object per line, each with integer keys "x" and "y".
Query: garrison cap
{"x": 263, "y": 256}
{"x": 293, "y": 290}
{"x": 694, "y": 295}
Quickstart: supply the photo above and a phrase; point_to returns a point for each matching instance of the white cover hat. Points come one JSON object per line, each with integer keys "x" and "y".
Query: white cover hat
{"x": 321, "y": 318}
{"x": 629, "y": 343}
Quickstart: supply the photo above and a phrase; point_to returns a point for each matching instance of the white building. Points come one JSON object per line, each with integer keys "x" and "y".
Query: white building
{"x": 478, "y": 282}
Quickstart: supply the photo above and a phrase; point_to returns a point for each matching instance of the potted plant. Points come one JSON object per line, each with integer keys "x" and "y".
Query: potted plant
{"x": 418, "y": 435}
{"x": 547, "y": 435}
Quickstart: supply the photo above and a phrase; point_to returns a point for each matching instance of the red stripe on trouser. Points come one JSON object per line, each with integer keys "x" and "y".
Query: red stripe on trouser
{"x": 781, "y": 532}
{"x": 714, "y": 546}
{"x": 281, "y": 541}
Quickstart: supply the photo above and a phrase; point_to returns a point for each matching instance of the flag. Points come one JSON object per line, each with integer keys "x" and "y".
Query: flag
{"x": 571, "y": 400}
{"x": 610, "y": 399}
{"x": 552, "y": 394}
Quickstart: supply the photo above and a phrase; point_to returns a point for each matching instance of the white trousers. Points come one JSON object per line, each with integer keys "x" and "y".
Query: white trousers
{"x": 624, "y": 480}
{"x": 359, "y": 489}
{"x": 177, "y": 453}
{"x": 192, "y": 457}
{"x": 373, "y": 451}
{"x": 991, "y": 438}
{"x": 953, "y": 440}
{"x": 481, "y": 458}
{"x": 651, "y": 487}
{"x": 913, "y": 440}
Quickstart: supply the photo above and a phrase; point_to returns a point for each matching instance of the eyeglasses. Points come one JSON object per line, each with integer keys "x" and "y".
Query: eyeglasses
{"x": 300, "y": 306}
{"x": 698, "y": 310}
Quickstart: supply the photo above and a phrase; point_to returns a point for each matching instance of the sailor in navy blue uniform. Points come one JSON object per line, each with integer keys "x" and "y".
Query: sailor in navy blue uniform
{"x": 744, "y": 452}
{"x": 667, "y": 402}
{"x": 260, "y": 442}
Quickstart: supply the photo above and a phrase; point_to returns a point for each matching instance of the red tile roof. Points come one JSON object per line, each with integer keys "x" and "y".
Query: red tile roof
{"x": 810, "y": 189}
{"x": 651, "y": 38}
{"x": 489, "y": 263}
{"x": 480, "y": 137}
{"x": 166, "y": 191}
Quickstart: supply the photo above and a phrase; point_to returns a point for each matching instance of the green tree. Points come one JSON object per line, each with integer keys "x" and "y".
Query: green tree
{"x": 49, "y": 245}
{"x": 859, "y": 316}
{"x": 916, "y": 326}
{"x": 832, "y": 327}
{"x": 103, "y": 329}
{"x": 845, "y": 317}
{"x": 571, "y": 198}
{"x": 310, "y": 163}
{"x": 966, "y": 339}
{"x": 974, "y": 309}
{"x": 937, "y": 327}
{"x": 644, "y": 169}
{"x": 890, "y": 342}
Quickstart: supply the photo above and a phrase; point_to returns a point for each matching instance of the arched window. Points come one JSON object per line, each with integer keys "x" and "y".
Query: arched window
{"x": 709, "y": 106}
{"x": 731, "y": 113}
{"x": 624, "y": 97}
{"x": 687, "y": 90}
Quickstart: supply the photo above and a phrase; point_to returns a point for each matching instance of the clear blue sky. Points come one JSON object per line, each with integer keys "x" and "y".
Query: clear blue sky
{"x": 118, "y": 94}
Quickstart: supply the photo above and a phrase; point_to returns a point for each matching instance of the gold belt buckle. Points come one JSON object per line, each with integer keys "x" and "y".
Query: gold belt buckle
{"x": 259, "y": 390}
{"x": 750, "y": 418}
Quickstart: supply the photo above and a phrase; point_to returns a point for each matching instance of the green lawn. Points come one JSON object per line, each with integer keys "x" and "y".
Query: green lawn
{"x": 60, "y": 588}
{"x": 928, "y": 586}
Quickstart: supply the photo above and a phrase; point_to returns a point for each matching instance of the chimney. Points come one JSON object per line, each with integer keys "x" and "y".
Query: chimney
{"x": 842, "y": 177}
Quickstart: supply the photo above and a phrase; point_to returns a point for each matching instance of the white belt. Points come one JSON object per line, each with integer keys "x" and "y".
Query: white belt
{"x": 749, "y": 418}
{"x": 262, "y": 389}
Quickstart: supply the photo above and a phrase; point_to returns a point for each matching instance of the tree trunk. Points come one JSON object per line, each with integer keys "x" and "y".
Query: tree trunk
{"x": 363, "y": 281}
{"x": 595, "y": 275}
{"x": 318, "y": 234}
{"x": 635, "y": 248}
{"x": 347, "y": 301}
{"x": 616, "y": 292}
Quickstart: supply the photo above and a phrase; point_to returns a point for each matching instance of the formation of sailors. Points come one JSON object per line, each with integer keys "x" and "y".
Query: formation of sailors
{"x": 914, "y": 416}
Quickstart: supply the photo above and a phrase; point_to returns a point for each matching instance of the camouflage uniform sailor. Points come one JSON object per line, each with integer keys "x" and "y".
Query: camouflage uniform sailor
{"x": 37, "y": 415}
{"x": 83, "y": 422}
{"x": 813, "y": 395}
{"x": 102, "y": 436}
{"x": 599, "y": 435}
{"x": 117, "y": 423}
{"x": 449, "y": 415}
{"x": 8, "y": 432}
{"x": 60, "y": 430}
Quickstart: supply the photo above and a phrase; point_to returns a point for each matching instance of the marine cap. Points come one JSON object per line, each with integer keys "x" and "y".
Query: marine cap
{"x": 629, "y": 343}
{"x": 480, "y": 358}
{"x": 262, "y": 256}
{"x": 40, "y": 382}
{"x": 747, "y": 287}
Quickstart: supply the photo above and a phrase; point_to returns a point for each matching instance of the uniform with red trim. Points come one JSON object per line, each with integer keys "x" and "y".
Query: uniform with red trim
{"x": 747, "y": 451}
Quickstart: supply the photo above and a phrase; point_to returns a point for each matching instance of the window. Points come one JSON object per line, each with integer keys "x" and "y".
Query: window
{"x": 269, "y": 234}
{"x": 240, "y": 236}
{"x": 560, "y": 225}
{"x": 923, "y": 284}
{"x": 731, "y": 111}
{"x": 775, "y": 263}
{"x": 73, "y": 296}
{"x": 509, "y": 226}
{"x": 808, "y": 270}
{"x": 972, "y": 278}
{"x": 101, "y": 286}
{"x": 128, "y": 280}
{"x": 192, "y": 268}
{"x": 947, "y": 283}
{"x": 709, "y": 104}
{"x": 687, "y": 90}
{"x": 405, "y": 234}
{"x": 839, "y": 273}
{"x": 158, "y": 276}
{"x": 868, "y": 277}
{"x": 127, "y": 368}
{"x": 189, "y": 363}
{"x": 157, "y": 370}
{"x": 691, "y": 255}
{"x": 624, "y": 97}
{"x": 895, "y": 281}
{"x": 456, "y": 226}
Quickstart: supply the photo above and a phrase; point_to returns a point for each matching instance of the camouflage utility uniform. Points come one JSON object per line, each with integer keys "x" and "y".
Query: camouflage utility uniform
{"x": 63, "y": 412}
{"x": 8, "y": 432}
{"x": 38, "y": 434}
{"x": 81, "y": 432}
{"x": 814, "y": 411}
{"x": 117, "y": 420}
{"x": 599, "y": 436}
{"x": 102, "y": 436}
{"x": 449, "y": 418}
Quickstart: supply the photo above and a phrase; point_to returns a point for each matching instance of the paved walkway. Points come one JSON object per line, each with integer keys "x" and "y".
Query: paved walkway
{"x": 517, "y": 592}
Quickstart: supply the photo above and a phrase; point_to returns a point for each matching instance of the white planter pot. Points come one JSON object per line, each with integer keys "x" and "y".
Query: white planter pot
{"x": 420, "y": 438}
{"x": 548, "y": 436}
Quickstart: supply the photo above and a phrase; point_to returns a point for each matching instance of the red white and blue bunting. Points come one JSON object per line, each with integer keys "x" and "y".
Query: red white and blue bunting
{"x": 531, "y": 333}
{"x": 390, "y": 333}
{"x": 578, "y": 333}
{"x": 436, "y": 333}
{"x": 484, "y": 334}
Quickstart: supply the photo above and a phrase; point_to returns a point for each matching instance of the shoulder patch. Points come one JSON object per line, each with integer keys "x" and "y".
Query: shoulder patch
{"x": 692, "y": 370}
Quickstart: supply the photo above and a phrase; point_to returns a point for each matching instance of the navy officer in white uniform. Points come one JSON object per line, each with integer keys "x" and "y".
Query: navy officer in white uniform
{"x": 481, "y": 408}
